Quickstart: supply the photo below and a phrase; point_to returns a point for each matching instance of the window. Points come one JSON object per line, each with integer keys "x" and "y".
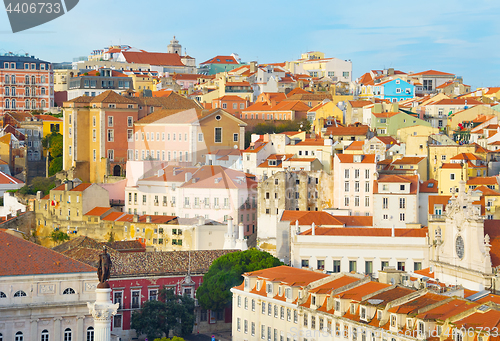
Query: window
{"x": 356, "y": 201}
{"x": 90, "y": 334}
{"x": 367, "y": 201}
{"x": 235, "y": 137}
{"x": 20, "y": 336}
{"x": 368, "y": 267}
{"x": 402, "y": 202}
{"x": 321, "y": 264}
{"x": 117, "y": 298}
{"x": 305, "y": 263}
{"x": 295, "y": 316}
{"x": 111, "y": 135}
{"x": 263, "y": 307}
{"x": 346, "y": 186}
{"x": 135, "y": 299}
{"x": 336, "y": 266}
{"x": 69, "y": 291}
{"x": 352, "y": 266}
{"x": 218, "y": 135}
{"x": 367, "y": 186}
{"x": 401, "y": 217}
{"x": 356, "y": 186}
{"x": 117, "y": 321}
{"x": 385, "y": 203}
{"x": 345, "y": 74}
{"x": 67, "y": 334}
{"x": 20, "y": 293}
{"x": 110, "y": 121}
{"x": 452, "y": 176}
{"x": 44, "y": 335}
{"x": 346, "y": 173}
{"x": 306, "y": 320}
{"x": 356, "y": 173}
{"x": 401, "y": 266}
{"x": 153, "y": 294}
{"x": 346, "y": 201}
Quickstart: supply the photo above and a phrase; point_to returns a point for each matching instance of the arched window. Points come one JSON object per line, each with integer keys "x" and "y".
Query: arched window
{"x": 33, "y": 104}
{"x": 13, "y": 104}
{"x": 42, "y": 91}
{"x": 43, "y": 103}
{"x": 1, "y": 337}
{"x": 27, "y": 79}
{"x": 13, "y": 91}
{"x": 90, "y": 334}
{"x": 2, "y": 295}
{"x": 33, "y": 79}
{"x": 7, "y": 91}
{"x": 69, "y": 291}
{"x": 13, "y": 79}
{"x": 7, "y": 104}
{"x": 27, "y": 104}
{"x": 19, "y": 336}
{"x": 67, "y": 334}
{"x": 7, "y": 79}
{"x": 20, "y": 293}
{"x": 45, "y": 335}
{"x": 26, "y": 91}
{"x": 42, "y": 79}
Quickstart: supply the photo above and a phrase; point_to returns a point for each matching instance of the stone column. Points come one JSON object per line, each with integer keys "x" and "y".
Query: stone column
{"x": 102, "y": 311}
{"x": 80, "y": 333}
{"x": 34, "y": 329}
{"x": 57, "y": 328}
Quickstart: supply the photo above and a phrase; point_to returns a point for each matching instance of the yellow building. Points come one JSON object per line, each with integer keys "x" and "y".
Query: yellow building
{"x": 326, "y": 110}
{"x": 51, "y": 124}
{"x": 473, "y": 165}
{"x": 439, "y": 154}
{"x": 142, "y": 81}
{"x": 468, "y": 115}
{"x": 449, "y": 175}
{"x": 490, "y": 182}
{"x": 416, "y": 130}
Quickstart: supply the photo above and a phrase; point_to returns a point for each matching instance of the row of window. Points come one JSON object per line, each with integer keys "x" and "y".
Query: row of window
{"x": 12, "y": 91}
{"x": 25, "y": 66}
{"x": 269, "y": 116}
{"x": 21, "y": 293}
{"x": 353, "y": 265}
{"x": 235, "y": 105}
{"x": 357, "y": 173}
{"x": 347, "y": 201}
{"x": 33, "y": 104}
{"x": 347, "y": 186}
{"x": 44, "y": 335}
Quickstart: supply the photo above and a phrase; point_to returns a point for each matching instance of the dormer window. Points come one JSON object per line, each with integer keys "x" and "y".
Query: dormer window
{"x": 247, "y": 283}
{"x": 313, "y": 300}
{"x": 393, "y": 320}
{"x": 258, "y": 285}
{"x": 409, "y": 323}
{"x": 353, "y": 308}
{"x": 280, "y": 291}
{"x": 379, "y": 315}
{"x": 269, "y": 288}
{"x": 337, "y": 305}
{"x": 288, "y": 293}
{"x": 362, "y": 313}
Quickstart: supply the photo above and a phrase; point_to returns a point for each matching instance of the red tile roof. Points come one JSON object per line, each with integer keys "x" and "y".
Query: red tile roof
{"x": 408, "y": 160}
{"x": 80, "y": 187}
{"x": 324, "y": 218}
{"x": 425, "y": 272}
{"x": 349, "y": 158}
{"x": 432, "y": 73}
{"x": 28, "y": 259}
{"x": 429, "y": 186}
{"x": 153, "y": 58}
{"x": 411, "y": 179}
{"x": 335, "y": 284}
{"x": 8, "y": 180}
{"x": 361, "y": 130}
{"x": 367, "y": 232}
{"x": 221, "y": 60}
{"x": 98, "y": 211}
{"x": 357, "y": 293}
{"x": 287, "y": 275}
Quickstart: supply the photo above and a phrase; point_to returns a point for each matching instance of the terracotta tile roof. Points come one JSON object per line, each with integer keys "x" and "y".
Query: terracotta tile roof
{"x": 412, "y": 307}
{"x": 172, "y": 174}
{"x": 411, "y": 179}
{"x": 98, "y": 211}
{"x": 296, "y": 91}
{"x": 385, "y": 114}
{"x": 281, "y": 157}
{"x": 287, "y": 275}
{"x": 486, "y": 180}
{"x": 320, "y": 218}
{"x": 335, "y": 284}
{"x": 153, "y": 58}
{"x": 308, "y": 97}
{"x": 8, "y": 180}
{"x": 317, "y": 107}
{"x": 408, "y": 160}
{"x": 432, "y": 73}
{"x": 82, "y": 99}
{"x": 312, "y": 142}
{"x": 304, "y": 159}
{"x": 489, "y": 319}
{"x": 257, "y": 146}
{"x": 492, "y": 229}
{"x": 359, "y": 104}
{"x": 113, "y": 216}
{"x": 126, "y": 246}
{"x": 80, "y": 241}
{"x": 219, "y": 177}
{"x": 28, "y": 258}
{"x": 48, "y": 118}
{"x": 465, "y": 156}
{"x": 356, "y": 145}
{"x": 458, "y": 101}
{"x": 367, "y": 232}
{"x": 185, "y": 76}
{"x": 170, "y": 102}
{"x": 230, "y": 98}
{"x": 489, "y": 298}
{"x": 425, "y": 272}
{"x": 247, "y": 84}
{"x": 447, "y": 310}
{"x": 221, "y": 60}
{"x": 387, "y": 296}
{"x": 438, "y": 200}
{"x": 349, "y": 158}
{"x": 429, "y": 186}
{"x": 357, "y": 293}
{"x": 366, "y": 78}
{"x": 79, "y": 188}
{"x": 487, "y": 191}
{"x": 111, "y": 97}
{"x": 361, "y": 130}
{"x": 167, "y": 116}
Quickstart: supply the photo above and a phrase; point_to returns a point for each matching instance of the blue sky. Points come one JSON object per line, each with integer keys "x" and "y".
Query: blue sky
{"x": 460, "y": 37}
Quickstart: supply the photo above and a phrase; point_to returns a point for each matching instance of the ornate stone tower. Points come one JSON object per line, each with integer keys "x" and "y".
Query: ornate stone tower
{"x": 174, "y": 47}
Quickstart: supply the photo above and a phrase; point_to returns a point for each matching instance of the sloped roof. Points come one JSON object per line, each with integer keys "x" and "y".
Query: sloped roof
{"x": 432, "y": 73}
{"x": 153, "y": 58}
{"x": 111, "y": 97}
{"x": 320, "y": 218}
{"x": 28, "y": 258}
{"x": 287, "y": 275}
{"x": 9, "y": 180}
{"x": 349, "y": 158}
{"x": 221, "y": 60}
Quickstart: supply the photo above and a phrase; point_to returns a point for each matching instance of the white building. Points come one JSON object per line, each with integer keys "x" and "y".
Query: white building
{"x": 354, "y": 175}
{"x": 43, "y": 294}
{"x": 396, "y": 201}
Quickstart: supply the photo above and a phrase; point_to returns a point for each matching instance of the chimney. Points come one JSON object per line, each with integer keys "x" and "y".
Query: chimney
{"x": 39, "y": 195}
{"x": 393, "y": 232}
{"x": 253, "y": 66}
{"x": 297, "y": 228}
{"x": 230, "y": 230}
{"x": 68, "y": 186}
{"x": 188, "y": 176}
{"x": 148, "y": 219}
{"x": 241, "y": 234}
{"x": 201, "y": 220}
{"x": 135, "y": 219}
{"x": 313, "y": 229}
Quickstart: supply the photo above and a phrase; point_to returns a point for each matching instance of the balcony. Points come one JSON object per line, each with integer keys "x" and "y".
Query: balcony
{"x": 135, "y": 305}
{"x": 437, "y": 217}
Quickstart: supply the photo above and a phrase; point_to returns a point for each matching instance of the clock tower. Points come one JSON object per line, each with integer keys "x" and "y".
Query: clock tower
{"x": 462, "y": 248}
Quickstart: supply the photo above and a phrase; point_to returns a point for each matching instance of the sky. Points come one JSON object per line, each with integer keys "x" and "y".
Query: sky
{"x": 459, "y": 37}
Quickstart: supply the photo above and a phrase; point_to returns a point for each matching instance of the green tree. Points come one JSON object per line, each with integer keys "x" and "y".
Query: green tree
{"x": 59, "y": 237}
{"x": 170, "y": 313}
{"x": 226, "y": 272}
{"x": 175, "y": 338}
{"x": 54, "y": 144}
{"x": 38, "y": 184}
{"x": 272, "y": 127}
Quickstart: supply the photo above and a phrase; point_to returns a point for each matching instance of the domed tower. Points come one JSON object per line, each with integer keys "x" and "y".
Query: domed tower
{"x": 174, "y": 47}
